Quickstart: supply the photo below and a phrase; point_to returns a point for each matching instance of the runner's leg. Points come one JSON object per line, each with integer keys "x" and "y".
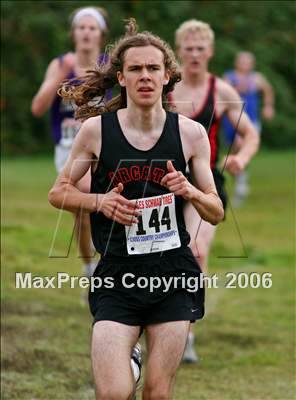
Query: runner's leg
{"x": 83, "y": 231}
{"x": 112, "y": 345}
{"x": 165, "y": 347}
{"x": 202, "y": 234}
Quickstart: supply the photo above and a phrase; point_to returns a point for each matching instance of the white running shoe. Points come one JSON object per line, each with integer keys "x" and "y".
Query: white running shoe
{"x": 190, "y": 356}
{"x": 241, "y": 189}
{"x": 136, "y": 364}
{"x": 89, "y": 269}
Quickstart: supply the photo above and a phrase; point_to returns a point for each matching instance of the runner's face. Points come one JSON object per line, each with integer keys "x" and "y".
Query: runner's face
{"x": 143, "y": 75}
{"x": 195, "y": 52}
{"x": 87, "y": 34}
{"x": 245, "y": 63}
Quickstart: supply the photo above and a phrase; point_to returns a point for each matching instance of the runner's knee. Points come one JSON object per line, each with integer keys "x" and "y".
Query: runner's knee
{"x": 114, "y": 392}
{"x": 156, "y": 392}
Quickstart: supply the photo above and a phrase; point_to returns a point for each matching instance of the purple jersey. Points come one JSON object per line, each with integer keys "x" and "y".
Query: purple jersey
{"x": 62, "y": 113}
{"x": 250, "y": 105}
{"x": 249, "y": 94}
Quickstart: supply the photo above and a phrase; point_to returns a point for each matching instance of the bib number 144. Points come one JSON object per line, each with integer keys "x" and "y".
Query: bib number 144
{"x": 154, "y": 221}
{"x": 156, "y": 229}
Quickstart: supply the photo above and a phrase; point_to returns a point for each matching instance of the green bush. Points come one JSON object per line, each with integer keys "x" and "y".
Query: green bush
{"x": 33, "y": 33}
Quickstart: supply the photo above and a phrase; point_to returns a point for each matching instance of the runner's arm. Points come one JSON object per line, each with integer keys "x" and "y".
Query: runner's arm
{"x": 202, "y": 193}
{"x": 245, "y": 129}
{"x": 64, "y": 193}
{"x": 56, "y": 72}
{"x": 268, "y": 96}
{"x": 205, "y": 198}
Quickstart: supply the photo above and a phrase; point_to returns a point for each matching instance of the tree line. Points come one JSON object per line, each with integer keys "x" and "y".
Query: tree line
{"x": 33, "y": 33}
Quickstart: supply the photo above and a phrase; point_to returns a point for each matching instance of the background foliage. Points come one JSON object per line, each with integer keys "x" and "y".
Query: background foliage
{"x": 35, "y": 32}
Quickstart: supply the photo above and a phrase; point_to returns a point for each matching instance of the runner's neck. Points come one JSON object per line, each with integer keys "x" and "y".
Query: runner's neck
{"x": 86, "y": 60}
{"x": 147, "y": 120}
{"x": 194, "y": 80}
{"x": 243, "y": 74}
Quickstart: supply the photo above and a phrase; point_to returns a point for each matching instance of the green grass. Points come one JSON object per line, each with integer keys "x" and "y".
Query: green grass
{"x": 246, "y": 341}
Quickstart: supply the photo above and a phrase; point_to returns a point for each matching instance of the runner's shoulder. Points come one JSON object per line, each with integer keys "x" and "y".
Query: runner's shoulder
{"x": 222, "y": 85}
{"x": 53, "y": 68}
{"x": 91, "y": 129}
{"x": 260, "y": 80}
{"x": 190, "y": 129}
{"x": 225, "y": 91}
{"x": 59, "y": 61}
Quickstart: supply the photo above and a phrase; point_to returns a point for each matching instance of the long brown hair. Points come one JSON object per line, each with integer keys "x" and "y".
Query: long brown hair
{"x": 88, "y": 92}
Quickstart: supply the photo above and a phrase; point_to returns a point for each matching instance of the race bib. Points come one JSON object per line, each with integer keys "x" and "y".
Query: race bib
{"x": 70, "y": 128}
{"x": 157, "y": 228}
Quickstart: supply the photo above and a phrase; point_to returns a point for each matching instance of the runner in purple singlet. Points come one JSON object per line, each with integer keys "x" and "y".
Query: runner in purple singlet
{"x": 251, "y": 86}
{"x": 88, "y": 30}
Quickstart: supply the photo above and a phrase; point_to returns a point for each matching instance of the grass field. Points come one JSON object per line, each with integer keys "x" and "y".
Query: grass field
{"x": 246, "y": 342}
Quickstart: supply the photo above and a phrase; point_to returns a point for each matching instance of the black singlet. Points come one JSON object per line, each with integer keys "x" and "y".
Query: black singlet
{"x": 140, "y": 172}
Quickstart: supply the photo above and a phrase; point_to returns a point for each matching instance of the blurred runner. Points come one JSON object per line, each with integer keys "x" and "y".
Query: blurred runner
{"x": 205, "y": 98}
{"x": 250, "y": 84}
{"x": 88, "y": 31}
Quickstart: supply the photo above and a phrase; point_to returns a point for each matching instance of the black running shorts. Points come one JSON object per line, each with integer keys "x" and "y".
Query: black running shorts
{"x": 139, "y": 305}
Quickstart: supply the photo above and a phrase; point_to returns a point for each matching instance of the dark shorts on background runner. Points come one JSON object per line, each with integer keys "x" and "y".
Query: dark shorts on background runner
{"x": 220, "y": 183}
{"x": 138, "y": 306}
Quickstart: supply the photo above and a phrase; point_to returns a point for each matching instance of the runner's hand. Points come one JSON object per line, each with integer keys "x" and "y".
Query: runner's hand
{"x": 177, "y": 183}
{"x": 268, "y": 112}
{"x": 68, "y": 63}
{"x": 116, "y": 207}
{"x": 234, "y": 164}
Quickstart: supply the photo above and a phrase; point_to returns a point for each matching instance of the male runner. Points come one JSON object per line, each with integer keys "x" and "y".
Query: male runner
{"x": 139, "y": 151}
{"x": 88, "y": 28}
{"x": 204, "y": 98}
{"x": 250, "y": 84}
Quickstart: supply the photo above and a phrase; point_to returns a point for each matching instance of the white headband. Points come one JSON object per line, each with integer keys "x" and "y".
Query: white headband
{"x": 93, "y": 13}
